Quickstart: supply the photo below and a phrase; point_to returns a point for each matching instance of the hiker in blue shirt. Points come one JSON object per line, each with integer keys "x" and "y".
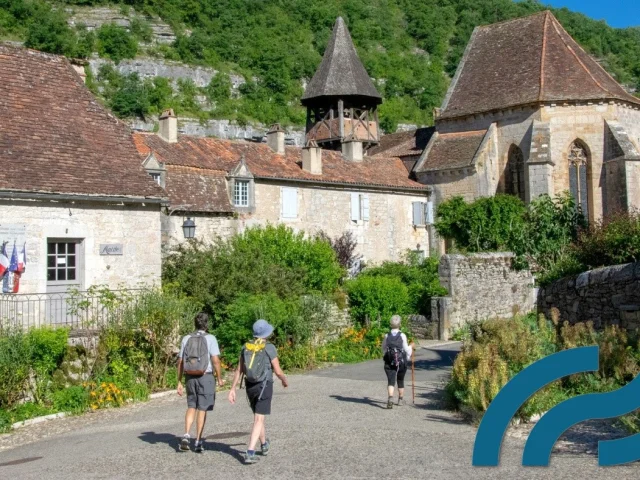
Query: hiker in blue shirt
{"x": 258, "y": 362}
{"x": 199, "y": 357}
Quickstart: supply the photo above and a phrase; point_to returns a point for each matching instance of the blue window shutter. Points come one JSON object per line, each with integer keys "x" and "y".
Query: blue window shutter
{"x": 289, "y": 202}
{"x": 365, "y": 207}
{"x": 355, "y": 207}
{"x": 429, "y": 212}
{"x": 418, "y": 213}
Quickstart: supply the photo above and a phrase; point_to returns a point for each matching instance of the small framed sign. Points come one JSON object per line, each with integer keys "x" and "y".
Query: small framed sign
{"x": 111, "y": 249}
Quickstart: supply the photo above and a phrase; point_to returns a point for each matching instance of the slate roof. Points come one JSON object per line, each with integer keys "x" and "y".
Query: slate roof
{"x": 526, "y": 61}
{"x": 214, "y": 158}
{"x": 403, "y": 144}
{"x": 341, "y": 72}
{"x": 56, "y": 138}
{"x": 452, "y": 150}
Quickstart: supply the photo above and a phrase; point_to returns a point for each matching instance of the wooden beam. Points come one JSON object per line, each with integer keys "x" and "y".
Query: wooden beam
{"x": 341, "y": 117}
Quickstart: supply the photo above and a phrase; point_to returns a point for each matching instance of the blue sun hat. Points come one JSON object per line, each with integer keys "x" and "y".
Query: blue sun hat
{"x": 262, "y": 329}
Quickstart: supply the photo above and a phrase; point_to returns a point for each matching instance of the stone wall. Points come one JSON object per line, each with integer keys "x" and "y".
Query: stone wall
{"x": 480, "y": 286}
{"x": 135, "y": 227}
{"x": 608, "y": 295}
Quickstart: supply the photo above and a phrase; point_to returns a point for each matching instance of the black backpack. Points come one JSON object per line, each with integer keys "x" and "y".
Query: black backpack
{"x": 394, "y": 354}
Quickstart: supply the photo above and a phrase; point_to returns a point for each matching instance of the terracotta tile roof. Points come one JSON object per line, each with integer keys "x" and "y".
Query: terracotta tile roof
{"x": 403, "y": 144}
{"x": 526, "y": 61}
{"x": 197, "y": 190}
{"x": 341, "y": 72}
{"x": 452, "y": 150}
{"x": 264, "y": 163}
{"x": 56, "y": 138}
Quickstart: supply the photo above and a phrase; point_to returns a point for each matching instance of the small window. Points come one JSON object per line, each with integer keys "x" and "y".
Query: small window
{"x": 157, "y": 178}
{"x": 359, "y": 207}
{"x": 241, "y": 193}
{"x": 62, "y": 261}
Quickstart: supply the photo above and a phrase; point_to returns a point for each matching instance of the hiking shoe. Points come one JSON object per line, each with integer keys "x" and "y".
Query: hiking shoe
{"x": 400, "y": 401}
{"x": 199, "y": 448}
{"x": 185, "y": 443}
{"x": 250, "y": 458}
{"x": 265, "y": 447}
{"x": 390, "y": 403}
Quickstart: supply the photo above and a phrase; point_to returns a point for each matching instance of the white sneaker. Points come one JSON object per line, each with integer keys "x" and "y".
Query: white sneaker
{"x": 185, "y": 443}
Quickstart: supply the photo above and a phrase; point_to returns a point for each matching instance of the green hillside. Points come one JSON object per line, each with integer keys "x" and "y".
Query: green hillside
{"x": 410, "y": 47}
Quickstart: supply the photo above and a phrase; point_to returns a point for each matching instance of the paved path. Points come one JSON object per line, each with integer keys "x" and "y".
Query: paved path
{"x": 328, "y": 424}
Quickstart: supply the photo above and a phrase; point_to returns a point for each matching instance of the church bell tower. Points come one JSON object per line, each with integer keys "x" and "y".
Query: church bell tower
{"x": 341, "y": 100}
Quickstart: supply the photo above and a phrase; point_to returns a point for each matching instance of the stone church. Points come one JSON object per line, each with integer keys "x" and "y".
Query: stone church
{"x": 529, "y": 112}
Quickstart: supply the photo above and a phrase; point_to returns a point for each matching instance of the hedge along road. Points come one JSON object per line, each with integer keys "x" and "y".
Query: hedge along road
{"x": 329, "y": 424}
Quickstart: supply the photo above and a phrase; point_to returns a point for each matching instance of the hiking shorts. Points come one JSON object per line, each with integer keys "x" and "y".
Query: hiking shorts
{"x": 259, "y": 395}
{"x": 393, "y": 375}
{"x": 201, "y": 392}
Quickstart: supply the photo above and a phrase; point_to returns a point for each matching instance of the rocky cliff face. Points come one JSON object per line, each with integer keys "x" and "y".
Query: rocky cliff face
{"x": 94, "y": 18}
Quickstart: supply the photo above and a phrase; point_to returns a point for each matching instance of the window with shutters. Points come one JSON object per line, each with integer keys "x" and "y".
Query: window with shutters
{"x": 289, "y": 199}
{"x": 359, "y": 207}
{"x": 422, "y": 213}
{"x": 578, "y": 176}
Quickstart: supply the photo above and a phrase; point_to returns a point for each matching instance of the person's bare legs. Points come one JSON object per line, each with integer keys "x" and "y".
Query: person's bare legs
{"x": 201, "y": 419}
{"x": 257, "y": 432}
{"x": 189, "y": 417}
{"x": 263, "y": 433}
{"x": 390, "y": 390}
{"x": 401, "y": 393}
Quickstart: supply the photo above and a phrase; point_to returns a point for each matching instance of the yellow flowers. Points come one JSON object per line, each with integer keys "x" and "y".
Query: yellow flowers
{"x": 106, "y": 395}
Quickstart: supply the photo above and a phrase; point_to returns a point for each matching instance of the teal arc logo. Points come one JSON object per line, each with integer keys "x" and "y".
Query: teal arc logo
{"x": 537, "y": 451}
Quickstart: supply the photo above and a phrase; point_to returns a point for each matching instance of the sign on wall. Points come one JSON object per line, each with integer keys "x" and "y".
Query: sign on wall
{"x": 111, "y": 249}
{"x": 11, "y": 232}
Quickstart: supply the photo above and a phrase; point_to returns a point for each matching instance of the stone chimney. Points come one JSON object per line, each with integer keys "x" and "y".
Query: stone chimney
{"x": 312, "y": 158}
{"x": 275, "y": 138}
{"x": 168, "y": 130}
{"x": 352, "y": 150}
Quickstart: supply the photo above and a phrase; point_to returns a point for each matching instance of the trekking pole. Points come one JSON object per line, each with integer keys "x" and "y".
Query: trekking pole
{"x": 413, "y": 376}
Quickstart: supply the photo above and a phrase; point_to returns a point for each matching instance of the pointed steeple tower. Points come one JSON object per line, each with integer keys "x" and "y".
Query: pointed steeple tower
{"x": 341, "y": 99}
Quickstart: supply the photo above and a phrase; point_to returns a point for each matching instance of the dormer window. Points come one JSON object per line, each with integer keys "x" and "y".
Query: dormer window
{"x": 157, "y": 177}
{"x": 241, "y": 193}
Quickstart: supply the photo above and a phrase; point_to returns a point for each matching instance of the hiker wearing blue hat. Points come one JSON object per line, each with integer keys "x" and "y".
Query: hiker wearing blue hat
{"x": 258, "y": 362}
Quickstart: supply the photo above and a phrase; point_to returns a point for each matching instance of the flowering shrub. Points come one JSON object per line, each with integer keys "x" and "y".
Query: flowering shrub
{"x": 104, "y": 395}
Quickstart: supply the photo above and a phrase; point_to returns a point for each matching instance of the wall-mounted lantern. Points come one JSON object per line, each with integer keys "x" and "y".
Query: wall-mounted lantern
{"x": 189, "y": 228}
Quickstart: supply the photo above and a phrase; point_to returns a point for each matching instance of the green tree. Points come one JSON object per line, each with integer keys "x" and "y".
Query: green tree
{"x": 116, "y": 42}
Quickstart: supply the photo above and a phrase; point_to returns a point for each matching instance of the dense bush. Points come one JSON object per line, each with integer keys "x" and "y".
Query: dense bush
{"x": 271, "y": 259}
{"x": 613, "y": 241}
{"x": 372, "y": 297}
{"x": 499, "y": 349}
{"x": 116, "y": 42}
{"x": 141, "y": 346}
{"x": 540, "y": 234}
{"x": 344, "y": 246}
{"x": 419, "y": 276}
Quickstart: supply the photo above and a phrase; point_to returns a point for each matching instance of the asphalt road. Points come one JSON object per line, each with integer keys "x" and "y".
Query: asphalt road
{"x": 329, "y": 424}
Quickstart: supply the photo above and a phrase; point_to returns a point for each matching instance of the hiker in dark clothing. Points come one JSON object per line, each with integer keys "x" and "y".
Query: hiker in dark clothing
{"x": 396, "y": 354}
{"x": 199, "y": 357}
{"x": 258, "y": 362}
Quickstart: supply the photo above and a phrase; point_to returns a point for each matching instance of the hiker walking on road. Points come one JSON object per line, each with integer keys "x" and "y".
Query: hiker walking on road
{"x": 396, "y": 354}
{"x": 199, "y": 356}
{"x": 258, "y": 362}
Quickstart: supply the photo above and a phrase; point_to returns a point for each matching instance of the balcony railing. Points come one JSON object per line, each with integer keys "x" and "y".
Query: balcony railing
{"x": 77, "y": 310}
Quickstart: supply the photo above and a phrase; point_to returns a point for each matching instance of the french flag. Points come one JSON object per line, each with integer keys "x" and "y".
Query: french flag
{"x": 4, "y": 262}
{"x": 22, "y": 259}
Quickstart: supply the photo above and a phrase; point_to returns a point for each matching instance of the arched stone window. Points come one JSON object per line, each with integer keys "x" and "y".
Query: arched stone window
{"x": 578, "y": 181}
{"x": 515, "y": 184}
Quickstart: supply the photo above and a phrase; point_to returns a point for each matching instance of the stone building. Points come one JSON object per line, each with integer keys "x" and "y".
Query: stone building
{"x": 72, "y": 190}
{"x": 529, "y": 112}
{"x": 331, "y": 184}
